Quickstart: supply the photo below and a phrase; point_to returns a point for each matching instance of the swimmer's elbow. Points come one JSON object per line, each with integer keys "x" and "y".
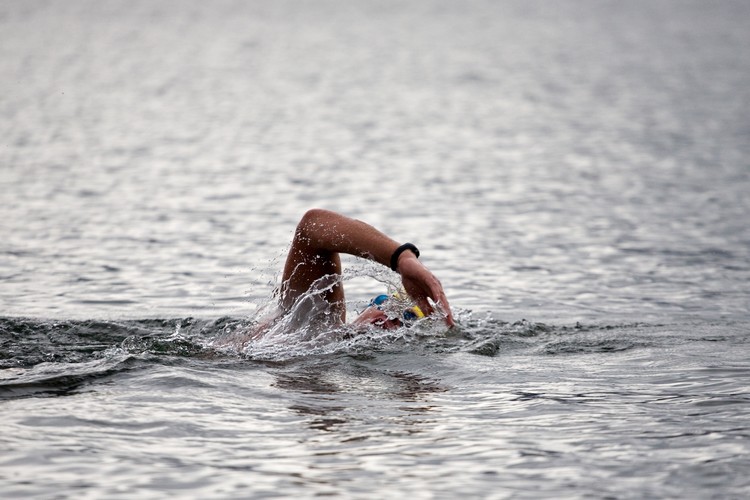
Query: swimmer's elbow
{"x": 312, "y": 221}
{"x": 315, "y": 214}
{"x": 314, "y": 217}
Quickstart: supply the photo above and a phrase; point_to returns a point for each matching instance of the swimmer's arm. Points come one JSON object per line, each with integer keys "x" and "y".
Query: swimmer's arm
{"x": 321, "y": 235}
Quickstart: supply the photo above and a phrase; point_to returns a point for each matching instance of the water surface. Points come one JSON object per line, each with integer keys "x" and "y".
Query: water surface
{"x": 575, "y": 173}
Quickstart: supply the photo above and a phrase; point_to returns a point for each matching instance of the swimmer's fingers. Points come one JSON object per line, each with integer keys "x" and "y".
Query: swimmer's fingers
{"x": 421, "y": 284}
{"x": 424, "y": 305}
{"x": 445, "y": 308}
{"x": 441, "y": 301}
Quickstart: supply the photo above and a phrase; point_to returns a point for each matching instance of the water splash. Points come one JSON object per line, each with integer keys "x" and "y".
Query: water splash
{"x": 312, "y": 325}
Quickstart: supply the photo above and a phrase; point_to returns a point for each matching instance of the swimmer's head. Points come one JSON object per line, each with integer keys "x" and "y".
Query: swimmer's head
{"x": 412, "y": 312}
{"x": 377, "y": 314}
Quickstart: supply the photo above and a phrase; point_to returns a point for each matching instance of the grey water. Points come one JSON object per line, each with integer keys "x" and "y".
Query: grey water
{"x": 575, "y": 172}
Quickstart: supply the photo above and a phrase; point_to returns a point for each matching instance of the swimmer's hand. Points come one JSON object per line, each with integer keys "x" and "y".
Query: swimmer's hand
{"x": 421, "y": 284}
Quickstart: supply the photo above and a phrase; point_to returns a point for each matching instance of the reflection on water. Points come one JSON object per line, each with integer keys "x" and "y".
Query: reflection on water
{"x": 318, "y": 387}
{"x": 669, "y": 407}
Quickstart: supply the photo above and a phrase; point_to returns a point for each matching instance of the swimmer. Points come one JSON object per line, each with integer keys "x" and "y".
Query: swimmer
{"x": 313, "y": 260}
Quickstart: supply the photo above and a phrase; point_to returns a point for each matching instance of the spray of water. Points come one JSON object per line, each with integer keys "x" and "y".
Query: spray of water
{"x": 312, "y": 326}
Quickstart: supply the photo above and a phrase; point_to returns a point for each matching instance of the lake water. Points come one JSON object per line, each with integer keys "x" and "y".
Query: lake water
{"x": 576, "y": 173}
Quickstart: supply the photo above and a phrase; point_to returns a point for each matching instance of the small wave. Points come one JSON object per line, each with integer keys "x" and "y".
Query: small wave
{"x": 58, "y": 379}
{"x": 490, "y": 337}
{"x": 26, "y": 343}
